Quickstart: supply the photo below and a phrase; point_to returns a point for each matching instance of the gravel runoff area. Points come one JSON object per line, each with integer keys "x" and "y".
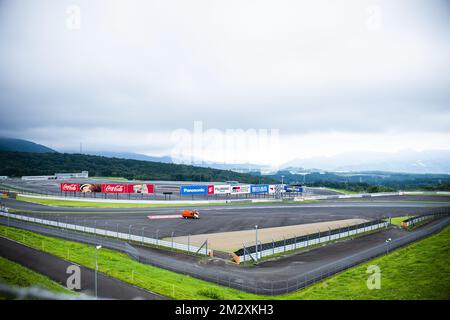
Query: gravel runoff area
{"x": 234, "y": 240}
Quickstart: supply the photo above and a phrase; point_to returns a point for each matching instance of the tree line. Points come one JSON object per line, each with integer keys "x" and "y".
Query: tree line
{"x": 17, "y": 164}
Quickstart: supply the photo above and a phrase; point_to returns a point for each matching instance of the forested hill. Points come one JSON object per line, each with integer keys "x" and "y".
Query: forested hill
{"x": 18, "y": 164}
{"x": 20, "y": 145}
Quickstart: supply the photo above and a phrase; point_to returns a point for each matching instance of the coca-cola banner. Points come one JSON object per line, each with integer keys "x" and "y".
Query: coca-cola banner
{"x": 107, "y": 187}
{"x": 116, "y": 188}
{"x": 70, "y": 187}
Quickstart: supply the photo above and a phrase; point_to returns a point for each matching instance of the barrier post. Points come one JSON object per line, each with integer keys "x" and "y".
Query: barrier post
{"x": 189, "y": 243}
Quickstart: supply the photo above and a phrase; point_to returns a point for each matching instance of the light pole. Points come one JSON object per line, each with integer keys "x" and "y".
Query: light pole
{"x": 96, "y": 268}
{"x": 282, "y": 179}
{"x": 256, "y": 247}
{"x": 387, "y": 245}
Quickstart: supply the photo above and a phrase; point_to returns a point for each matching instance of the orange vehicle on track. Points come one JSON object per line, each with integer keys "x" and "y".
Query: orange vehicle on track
{"x": 190, "y": 214}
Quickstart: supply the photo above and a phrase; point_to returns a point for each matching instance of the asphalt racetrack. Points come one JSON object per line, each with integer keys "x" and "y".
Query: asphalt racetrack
{"x": 223, "y": 218}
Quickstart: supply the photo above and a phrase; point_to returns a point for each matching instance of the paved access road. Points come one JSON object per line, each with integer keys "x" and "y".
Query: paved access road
{"x": 55, "y": 268}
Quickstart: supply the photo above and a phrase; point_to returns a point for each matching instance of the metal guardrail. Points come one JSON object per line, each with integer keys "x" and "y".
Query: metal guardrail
{"x": 109, "y": 233}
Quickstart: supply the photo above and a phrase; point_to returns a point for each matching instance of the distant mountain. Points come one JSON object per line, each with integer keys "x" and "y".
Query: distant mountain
{"x": 236, "y": 167}
{"x": 408, "y": 161}
{"x": 19, "y": 145}
{"x": 130, "y": 156}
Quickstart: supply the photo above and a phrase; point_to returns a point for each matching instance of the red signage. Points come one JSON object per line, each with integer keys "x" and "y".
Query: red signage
{"x": 210, "y": 189}
{"x": 108, "y": 188}
{"x": 115, "y": 188}
{"x": 70, "y": 187}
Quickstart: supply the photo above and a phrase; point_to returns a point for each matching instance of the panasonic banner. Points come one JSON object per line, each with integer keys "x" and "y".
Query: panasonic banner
{"x": 259, "y": 188}
{"x": 193, "y": 190}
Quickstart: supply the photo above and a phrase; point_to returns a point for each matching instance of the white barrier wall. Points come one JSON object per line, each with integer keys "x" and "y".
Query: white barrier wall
{"x": 309, "y": 243}
{"x": 112, "y": 234}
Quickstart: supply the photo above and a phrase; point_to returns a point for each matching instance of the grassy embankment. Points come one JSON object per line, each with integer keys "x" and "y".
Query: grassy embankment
{"x": 418, "y": 271}
{"x": 14, "y": 274}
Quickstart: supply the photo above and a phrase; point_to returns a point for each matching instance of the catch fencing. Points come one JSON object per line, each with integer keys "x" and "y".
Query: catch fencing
{"x": 411, "y": 222}
{"x": 256, "y": 252}
{"x": 202, "y": 250}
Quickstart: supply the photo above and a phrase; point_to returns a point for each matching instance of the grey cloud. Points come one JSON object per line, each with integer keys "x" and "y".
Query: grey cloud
{"x": 295, "y": 66}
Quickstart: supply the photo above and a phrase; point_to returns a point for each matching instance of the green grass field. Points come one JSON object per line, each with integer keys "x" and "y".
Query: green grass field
{"x": 16, "y": 275}
{"x": 418, "y": 271}
{"x": 343, "y": 191}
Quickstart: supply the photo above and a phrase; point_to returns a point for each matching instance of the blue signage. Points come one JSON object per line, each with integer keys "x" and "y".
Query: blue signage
{"x": 289, "y": 188}
{"x": 193, "y": 190}
{"x": 259, "y": 188}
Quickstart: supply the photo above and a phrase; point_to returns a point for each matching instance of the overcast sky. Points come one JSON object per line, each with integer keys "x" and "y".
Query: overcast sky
{"x": 321, "y": 77}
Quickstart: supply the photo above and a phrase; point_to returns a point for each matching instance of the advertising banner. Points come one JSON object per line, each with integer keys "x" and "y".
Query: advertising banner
{"x": 143, "y": 188}
{"x": 222, "y": 189}
{"x": 259, "y": 188}
{"x": 289, "y": 188}
{"x": 240, "y": 189}
{"x": 186, "y": 190}
{"x": 117, "y": 188}
{"x": 210, "y": 189}
{"x": 91, "y": 187}
{"x": 70, "y": 187}
{"x": 272, "y": 188}
{"x": 107, "y": 187}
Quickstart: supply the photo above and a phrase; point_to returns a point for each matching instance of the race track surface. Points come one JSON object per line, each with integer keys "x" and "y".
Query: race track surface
{"x": 222, "y": 218}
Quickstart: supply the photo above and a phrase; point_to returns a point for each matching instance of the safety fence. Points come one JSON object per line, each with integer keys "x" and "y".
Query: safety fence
{"x": 256, "y": 252}
{"x": 246, "y": 278}
{"x": 413, "y": 221}
{"x": 202, "y": 250}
